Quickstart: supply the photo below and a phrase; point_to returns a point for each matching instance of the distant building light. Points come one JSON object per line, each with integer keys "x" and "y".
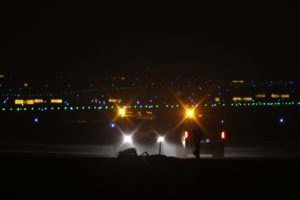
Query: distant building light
{"x": 275, "y": 96}
{"x": 285, "y": 96}
{"x": 237, "y": 99}
{"x": 260, "y": 96}
{"x": 217, "y": 99}
{"x": 114, "y": 100}
{"x": 2, "y": 76}
{"x": 19, "y": 101}
{"x": 56, "y": 101}
{"x": 247, "y": 99}
{"x": 26, "y": 84}
{"x": 238, "y": 81}
{"x": 29, "y": 102}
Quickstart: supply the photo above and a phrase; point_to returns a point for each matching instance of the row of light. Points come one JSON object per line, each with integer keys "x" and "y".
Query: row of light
{"x": 291, "y": 103}
{"x": 149, "y": 107}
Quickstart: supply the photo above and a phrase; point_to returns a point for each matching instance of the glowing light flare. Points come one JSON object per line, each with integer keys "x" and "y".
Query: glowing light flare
{"x": 190, "y": 113}
{"x": 127, "y": 139}
{"x": 122, "y": 112}
{"x": 160, "y": 139}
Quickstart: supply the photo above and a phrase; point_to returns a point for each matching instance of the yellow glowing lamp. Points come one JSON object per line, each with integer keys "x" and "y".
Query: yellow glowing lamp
{"x": 190, "y": 113}
{"x": 19, "y": 101}
{"x": 29, "y": 102}
{"x": 56, "y": 101}
{"x": 122, "y": 112}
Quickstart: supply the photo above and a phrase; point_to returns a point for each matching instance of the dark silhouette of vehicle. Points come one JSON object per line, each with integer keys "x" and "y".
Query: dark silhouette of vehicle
{"x": 200, "y": 138}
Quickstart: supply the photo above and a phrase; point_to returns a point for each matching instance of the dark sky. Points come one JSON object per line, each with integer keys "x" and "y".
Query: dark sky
{"x": 243, "y": 40}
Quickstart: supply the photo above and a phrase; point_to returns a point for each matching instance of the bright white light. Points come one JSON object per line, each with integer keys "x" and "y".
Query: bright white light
{"x": 160, "y": 139}
{"x": 112, "y": 125}
{"x": 127, "y": 139}
{"x": 36, "y": 120}
{"x": 281, "y": 120}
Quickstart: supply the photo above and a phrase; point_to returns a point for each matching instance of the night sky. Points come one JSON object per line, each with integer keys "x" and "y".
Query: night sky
{"x": 227, "y": 40}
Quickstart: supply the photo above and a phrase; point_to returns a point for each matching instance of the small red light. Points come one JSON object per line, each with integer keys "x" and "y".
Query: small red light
{"x": 186, "y": 134}
{"x": 223, "y": 135}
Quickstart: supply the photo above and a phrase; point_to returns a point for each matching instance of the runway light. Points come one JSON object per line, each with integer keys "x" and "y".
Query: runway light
{"x": 112, "y": 125}
{"x": 160, "y": 139}
{"x": 36, "y": 120}
{"x": 127, "y": 139}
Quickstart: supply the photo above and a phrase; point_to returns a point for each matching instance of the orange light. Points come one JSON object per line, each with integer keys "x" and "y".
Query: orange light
{"x": 122, "y": 112}
{"x": 190, "y": 113}
{"x": 223, "y": 135}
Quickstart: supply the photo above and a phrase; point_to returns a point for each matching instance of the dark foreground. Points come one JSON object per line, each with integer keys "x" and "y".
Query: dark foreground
{"x": 36, "y": 173}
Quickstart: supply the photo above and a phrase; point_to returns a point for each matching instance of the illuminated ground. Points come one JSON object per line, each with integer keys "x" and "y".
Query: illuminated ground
{"x": 109, "y": 151}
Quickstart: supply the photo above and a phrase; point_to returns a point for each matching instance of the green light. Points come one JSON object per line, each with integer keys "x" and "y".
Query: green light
{"x": 10, "y": 109}
{"x": 3, "y": 109}
{"x": 32, "y": 108}
{"x": 205, "y": 105}
{"x": 141, "y": 106}
{"x": 52, "y": 108}
{"x": 58, "y": 108}
{"x": 77, "y": 108}
{"x": 89, "y": 107}
{"x": 82, "y": 107}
